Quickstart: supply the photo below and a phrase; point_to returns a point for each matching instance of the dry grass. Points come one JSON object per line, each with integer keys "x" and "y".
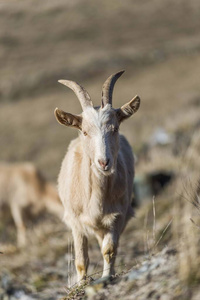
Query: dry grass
{"x": 185, "y": 232}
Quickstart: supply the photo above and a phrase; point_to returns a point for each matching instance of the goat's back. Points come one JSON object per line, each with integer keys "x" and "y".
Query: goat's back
{"x": 21, "y": 183}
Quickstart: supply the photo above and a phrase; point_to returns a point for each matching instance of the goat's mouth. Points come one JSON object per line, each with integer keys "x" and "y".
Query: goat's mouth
{"x": 108, "y": 170}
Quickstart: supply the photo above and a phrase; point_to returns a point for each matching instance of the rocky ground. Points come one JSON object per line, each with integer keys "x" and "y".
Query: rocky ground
{"x": 153, "y": 278}
{"x": 45, "y": 270}
{"x": 146, "y": 266}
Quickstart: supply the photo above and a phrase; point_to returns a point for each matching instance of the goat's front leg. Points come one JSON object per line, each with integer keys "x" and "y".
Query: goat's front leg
{"x": 21, "y": 230}
{"x": 81, "y": 254}
{"x": 109, "y": 251}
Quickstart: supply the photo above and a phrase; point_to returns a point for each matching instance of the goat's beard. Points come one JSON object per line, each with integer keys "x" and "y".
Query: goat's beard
{"x": 98, "y": 171}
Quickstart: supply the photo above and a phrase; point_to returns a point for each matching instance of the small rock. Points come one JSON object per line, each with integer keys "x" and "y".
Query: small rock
{"x": 151, "y": 293}
{"x": 6, "y": 281}
{"x": 97, "y": 285}
{"x": 165, "y": 297}
{"x": 90, "y": 291}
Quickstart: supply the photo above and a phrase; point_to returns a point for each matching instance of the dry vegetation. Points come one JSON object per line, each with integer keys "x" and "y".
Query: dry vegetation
{"x": 157, "y": 42}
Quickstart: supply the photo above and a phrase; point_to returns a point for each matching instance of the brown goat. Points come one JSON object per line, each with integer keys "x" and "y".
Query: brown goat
{"x": 22, "y": 187}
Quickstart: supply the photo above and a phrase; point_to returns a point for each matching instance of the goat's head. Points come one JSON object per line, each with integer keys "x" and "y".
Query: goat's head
{"x": 99, "y": 126}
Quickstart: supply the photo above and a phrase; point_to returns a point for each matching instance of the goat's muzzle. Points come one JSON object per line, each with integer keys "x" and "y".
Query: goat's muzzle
{"x": 104, "y": 164}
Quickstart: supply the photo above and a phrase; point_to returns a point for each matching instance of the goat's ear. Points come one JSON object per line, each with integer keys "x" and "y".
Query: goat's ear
{"x": 68, "y": 119}
{"x": 128, "y": 109}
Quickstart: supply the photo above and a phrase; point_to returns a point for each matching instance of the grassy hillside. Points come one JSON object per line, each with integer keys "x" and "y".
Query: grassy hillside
{"x": 41, "y": 42}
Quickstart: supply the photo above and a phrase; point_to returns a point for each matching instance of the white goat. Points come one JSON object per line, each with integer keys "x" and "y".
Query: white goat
{"x": 96, "y": 177}
{"x": 22, "y": 187}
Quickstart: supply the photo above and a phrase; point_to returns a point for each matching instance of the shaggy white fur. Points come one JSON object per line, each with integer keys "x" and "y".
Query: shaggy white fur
{"x": 96, "y": 178}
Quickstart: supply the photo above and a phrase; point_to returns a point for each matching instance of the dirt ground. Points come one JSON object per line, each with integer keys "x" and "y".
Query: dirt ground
{"x": 158, "y": 44}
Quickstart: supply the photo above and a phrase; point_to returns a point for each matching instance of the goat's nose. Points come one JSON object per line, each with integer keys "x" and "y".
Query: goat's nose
{"x": 103, "y": 163}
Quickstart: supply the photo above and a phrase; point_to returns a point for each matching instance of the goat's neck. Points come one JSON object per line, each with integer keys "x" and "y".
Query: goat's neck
{"x": 99, "y": 185}
{"x": 102, "y": 185}
{"x": 101, "y": 181}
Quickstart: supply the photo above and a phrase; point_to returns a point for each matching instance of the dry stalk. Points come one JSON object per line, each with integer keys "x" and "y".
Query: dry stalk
{"x": 146, "y": 247}
{"x": 194, "y": 223}
{"x": 162, "y": 234}
{"x": 185, "y": 205}
{"x": 154, "y": 220}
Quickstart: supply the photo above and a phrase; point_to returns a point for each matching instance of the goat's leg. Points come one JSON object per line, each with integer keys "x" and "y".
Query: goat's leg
{"x": 109, "y": 251}
{"x": 21, "y": 230}
{"x": 81, "y": 254}
{"x": 99, "y": 239}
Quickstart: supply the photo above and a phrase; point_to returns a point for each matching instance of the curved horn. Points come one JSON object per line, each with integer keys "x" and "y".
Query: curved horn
{"x": 108, "y": 87}
{"x": 80, "y": 92}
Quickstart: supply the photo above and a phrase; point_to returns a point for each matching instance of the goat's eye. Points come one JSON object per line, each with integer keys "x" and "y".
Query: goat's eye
{"x": 85, "y": 133}
{"x": 116, "y": 129}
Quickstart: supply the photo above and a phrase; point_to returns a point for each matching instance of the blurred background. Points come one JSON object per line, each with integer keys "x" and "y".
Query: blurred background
{"x": 156, "y": 42}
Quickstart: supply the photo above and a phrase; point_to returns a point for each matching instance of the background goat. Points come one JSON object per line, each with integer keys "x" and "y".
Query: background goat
{"x": 96, "y": 178}
{"x": 21, "y": 187}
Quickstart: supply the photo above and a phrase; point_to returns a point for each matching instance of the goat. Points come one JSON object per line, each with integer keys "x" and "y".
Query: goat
{"x": 22, "y": 187}
{"x": 96, "y": 177}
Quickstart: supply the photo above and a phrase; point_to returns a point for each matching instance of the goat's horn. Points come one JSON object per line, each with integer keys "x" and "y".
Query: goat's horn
{"x": 80, "y": 92}
{"x": 108, "y": 87}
